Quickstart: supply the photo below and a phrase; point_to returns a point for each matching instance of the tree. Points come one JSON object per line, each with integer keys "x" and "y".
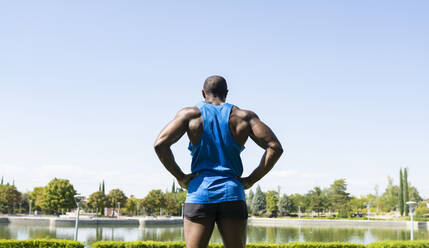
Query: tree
{"x": 174, "y": 202}
{"x": 115, "y": 196}
{"x": 173, "y": 188}
{"x": 318, "y": 200}
{"x": 299, "y": 202}
{"x": 58, "y": 194}
{"x": 390, "y": 198}
{"x": 414, "y": 194}
{"x": 154, "y": 201}
{"x": 1, "y": 181}
{"x": 9, "y": 197}
{"x": 258, "y": 202}
{"x": 37, "y": 197}
{"x": 131, "y": 205}
{"x": 337, "y": 195}
{"x": 284, "y": 205}
{"x": 406, "y": 189}
{"x": 98, "y": 201}
{"x": 401, "y": 192}
{"x": 272, "y": 200}
{"x": 103, "y": 187}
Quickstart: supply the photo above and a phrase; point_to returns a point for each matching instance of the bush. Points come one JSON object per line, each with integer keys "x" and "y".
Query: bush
{"x": 156, "y": 244}
{"x": 399, "y": 244}
{"x": 40, "y": 243}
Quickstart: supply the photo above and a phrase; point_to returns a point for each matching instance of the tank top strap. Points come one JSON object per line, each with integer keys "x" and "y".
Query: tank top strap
{"x": 225, "y": 113}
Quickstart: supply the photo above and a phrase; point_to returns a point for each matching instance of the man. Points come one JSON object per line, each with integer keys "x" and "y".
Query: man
{"x": 217, "y": 132}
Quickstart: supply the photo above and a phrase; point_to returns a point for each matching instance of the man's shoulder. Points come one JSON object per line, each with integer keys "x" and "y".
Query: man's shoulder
{"x": 243, "y": 113}
{"x": 189, "y": 112}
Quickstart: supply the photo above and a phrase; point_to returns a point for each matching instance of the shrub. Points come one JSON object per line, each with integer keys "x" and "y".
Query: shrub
{"x": 399, "y": 244}
{"x": 156, "y": 244}
{"x": 40, "y": 243}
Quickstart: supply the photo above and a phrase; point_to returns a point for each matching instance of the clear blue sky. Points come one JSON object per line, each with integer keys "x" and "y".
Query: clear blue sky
{"x": 85, "y": 87}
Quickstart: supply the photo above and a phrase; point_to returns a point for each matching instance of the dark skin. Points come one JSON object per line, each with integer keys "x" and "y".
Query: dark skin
{"x": 242, "y": 124}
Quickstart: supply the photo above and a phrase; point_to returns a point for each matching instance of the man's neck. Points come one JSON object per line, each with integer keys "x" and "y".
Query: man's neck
{"x": 214, "y": 100}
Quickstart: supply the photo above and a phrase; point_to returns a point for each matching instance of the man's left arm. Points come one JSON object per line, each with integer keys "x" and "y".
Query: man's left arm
{"x": 169, "y": 135}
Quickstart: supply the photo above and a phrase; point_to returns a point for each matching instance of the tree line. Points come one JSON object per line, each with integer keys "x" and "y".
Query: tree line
{"x": 334, "y": 201}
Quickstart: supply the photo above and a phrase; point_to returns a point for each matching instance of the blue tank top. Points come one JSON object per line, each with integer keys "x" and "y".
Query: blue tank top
{"x": 217, "y": 158}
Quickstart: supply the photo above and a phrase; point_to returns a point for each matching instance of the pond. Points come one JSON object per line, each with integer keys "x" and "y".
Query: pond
{"x": 90, "y": 234}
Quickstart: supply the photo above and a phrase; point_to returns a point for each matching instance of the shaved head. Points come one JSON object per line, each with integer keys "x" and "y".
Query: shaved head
{"x": 216, "y": 86}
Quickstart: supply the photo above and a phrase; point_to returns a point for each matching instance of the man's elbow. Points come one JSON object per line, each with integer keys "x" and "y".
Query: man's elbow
{"x": 277, "y": 148}
{"x": 159, "y": 146}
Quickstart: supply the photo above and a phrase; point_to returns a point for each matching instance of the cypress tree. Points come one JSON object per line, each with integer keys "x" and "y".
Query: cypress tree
{"x": 173, "y": 188}
{"x": 99, "y": 187}
{"x": 103, "y": 188}
{"x": 2, "y": 180}
{"x": 401, "y": 192}
{"x": 406, "y": 195}
{"x": 258, "y": 202}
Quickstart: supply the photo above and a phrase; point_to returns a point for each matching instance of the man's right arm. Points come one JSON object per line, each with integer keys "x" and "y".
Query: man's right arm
{"x": 262, "y": 135}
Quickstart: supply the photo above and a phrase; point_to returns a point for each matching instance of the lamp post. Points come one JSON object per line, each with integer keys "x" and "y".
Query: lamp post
{"x": 29, "y": 210}
{"x": 412, "y": 206}
{"x": 78, "y": 200}
{"x": 119, "y": 210}
{"x": 369, "y": 209}
{"x": 299, "y": 212}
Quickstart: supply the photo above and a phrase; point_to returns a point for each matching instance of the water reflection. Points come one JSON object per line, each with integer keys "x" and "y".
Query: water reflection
{"x": 91, "y": 234}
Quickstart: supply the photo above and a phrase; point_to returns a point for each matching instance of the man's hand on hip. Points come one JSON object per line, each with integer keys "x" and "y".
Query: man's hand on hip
{"x": 184, "y": 181}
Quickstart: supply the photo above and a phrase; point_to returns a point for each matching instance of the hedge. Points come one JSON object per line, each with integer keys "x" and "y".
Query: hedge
{"x": 156, "y": 244}
{"x": 56, "y": 243}
{"x": 40, "y": 243}
{"x": 400, "y": 244}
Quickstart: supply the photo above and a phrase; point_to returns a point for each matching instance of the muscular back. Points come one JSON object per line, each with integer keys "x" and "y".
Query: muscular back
{"x": 238, "y": 124}
{"x": 242, "y": 124}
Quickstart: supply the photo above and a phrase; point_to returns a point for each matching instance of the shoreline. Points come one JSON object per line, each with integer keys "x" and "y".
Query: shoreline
{"x": 273, "y": 222}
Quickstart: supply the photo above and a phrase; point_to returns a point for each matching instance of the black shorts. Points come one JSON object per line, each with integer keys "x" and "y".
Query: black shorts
{"x": 231, "y": 209}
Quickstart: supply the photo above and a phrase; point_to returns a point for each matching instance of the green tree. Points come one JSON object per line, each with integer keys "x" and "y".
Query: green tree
{"x": 154, "y": 201}
{"x": 317, "y": 200}
{"x": 414, "y": 194}
{"x": 272, "y": 199}
{"x": 406, "y": 191}
{"x": 422, "y": 210}
{"x": 337, "y": 194}
{"x": 98, "y": 201}
{"x": 116, "y": 196}
{"x": 258, "y": 202}
{"x": 9, "y": 197}
{"x": 390, "y": 198}
{"x": 284, "y": 205}
{"x": 173, "y": 188}
{"x": 131, "y": 205}
{"x": 103, "y": 188}
{"x": 1, "y": 181}
{"x": 58, "y": 195}
{"x": 37, "y": 196}
{"x": 401, "y": 192}
{"x": 297, "y": 202}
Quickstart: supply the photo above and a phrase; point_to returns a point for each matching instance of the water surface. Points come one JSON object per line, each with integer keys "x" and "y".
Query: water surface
{"x": 90, "y": 234}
